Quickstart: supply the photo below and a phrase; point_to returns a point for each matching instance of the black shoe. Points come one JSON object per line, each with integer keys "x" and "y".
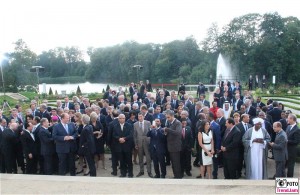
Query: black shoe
{"x": 130, "y": 176}
{"x": 156, "y": 176}
{"x": 188, "y": 173}
{"x": 84, "y": 166}
{"x": 79, "y": 172}
{"x": 150, "y": 175}
{"x": 196, "y": 165}
{"x": 215, "y": 177}
{"x": 163, "y": 176}
{"x": 86, "y": 174}
{"x": 199, "y": 176}
{"x": 122, "y": 176}
{"x": 140, "y": 174}
{"x": 221, "y": 166}
{"x": 114, "y": 174}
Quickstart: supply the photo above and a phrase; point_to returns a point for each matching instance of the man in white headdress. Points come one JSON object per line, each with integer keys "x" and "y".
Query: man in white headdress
{"x": 256, "y": 151}
{"x": 227, "y": 109}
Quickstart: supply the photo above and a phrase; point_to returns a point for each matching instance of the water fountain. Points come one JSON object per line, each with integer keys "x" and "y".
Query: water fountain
{"x": 225, "y": 70}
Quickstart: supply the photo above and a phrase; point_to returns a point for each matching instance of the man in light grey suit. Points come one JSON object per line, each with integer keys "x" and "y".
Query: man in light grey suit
{"x": 173, "y": 131}
{"x": 279, "y": 149}
{"x": 142, "y": 142}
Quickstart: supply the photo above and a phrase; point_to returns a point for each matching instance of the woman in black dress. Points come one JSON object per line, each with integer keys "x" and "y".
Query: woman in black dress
{"x": 99, "y": 139}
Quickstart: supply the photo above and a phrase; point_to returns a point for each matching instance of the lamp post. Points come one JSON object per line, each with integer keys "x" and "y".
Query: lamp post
{"x": 37, "y": 69}
{"x": 3, "y": 57}
{"x": 138, "y": 67}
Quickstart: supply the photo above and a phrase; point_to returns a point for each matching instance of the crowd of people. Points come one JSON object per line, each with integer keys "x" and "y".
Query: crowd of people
{"x": 160, "y": 129}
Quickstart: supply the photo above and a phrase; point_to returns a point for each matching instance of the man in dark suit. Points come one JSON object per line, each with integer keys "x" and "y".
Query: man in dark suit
{"x": 237, "y": 102}
{"x": 9, "y": 141}
{"x": 158, "y": 148}
{"x": 250, "y": 83}
{"x": 187, "y": 145}
{"x": 258, "y": 103}
{"x": 181, "y": 89}
{"x": 30, "y": 149}
{"x": 111, "y": 122}
{"x": 68, "y": 104}
{"x": 174, "y": 142}
{"x": 243, "y": 126}
{"x": 221, "y": 121}
{"x": 161, "y": 100}
{"x": 225, "y": 98}
{"x": 200, "y": 89}
{"x": 275, "y": 112}
{"x": 293, "y": 135}
{"x": 215, "y": 127}
{"x": 148, "y": 86}
{"x": 280, "y": 150}
{"x": 3, "y": 125}
{"x": 64, "y": 135}
{"x": 204, "y": 101}
{"x": 146, "y": 114}
{"x": 230, "y": 149}
{"x": 123, "y": 140}
{"x": 251, "y": 110}
{"x": 47, "y": 146}
{"x": 131, "y": 90}
{"x": 44, "y": 112}
{"x": 34, "y": 111}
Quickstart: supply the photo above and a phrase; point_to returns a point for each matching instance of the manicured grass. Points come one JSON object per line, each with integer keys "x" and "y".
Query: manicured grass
{"x": 29, "y": 95}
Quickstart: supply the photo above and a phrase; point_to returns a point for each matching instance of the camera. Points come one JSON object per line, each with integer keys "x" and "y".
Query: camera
{"x": 282, "y": 183}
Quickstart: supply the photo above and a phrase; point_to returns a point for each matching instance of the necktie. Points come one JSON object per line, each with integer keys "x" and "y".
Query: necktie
{"x": 183, "y": 133}
{"x": 246, "y": 127}
{"x": 66, "y": 127}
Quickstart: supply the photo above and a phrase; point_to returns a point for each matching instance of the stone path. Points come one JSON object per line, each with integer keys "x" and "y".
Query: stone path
{"x": 15, "y": 96}
{"x": 105, "y": 183}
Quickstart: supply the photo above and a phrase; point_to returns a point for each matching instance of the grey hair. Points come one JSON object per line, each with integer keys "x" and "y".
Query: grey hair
{"x": 86, "y": 119}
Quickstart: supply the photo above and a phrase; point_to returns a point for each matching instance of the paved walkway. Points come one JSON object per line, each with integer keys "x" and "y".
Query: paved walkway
{"x": 105, "y": 183}
{"x": 35, "y": 184}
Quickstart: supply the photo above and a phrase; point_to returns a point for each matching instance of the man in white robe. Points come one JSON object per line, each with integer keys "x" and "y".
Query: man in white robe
{"x": 255, "y": 141}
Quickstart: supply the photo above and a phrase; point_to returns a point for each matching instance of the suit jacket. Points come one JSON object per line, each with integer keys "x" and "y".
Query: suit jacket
{"x": 140, "y": 135}
{"x": 280, "y": 147}
{"x": 174, "y": 141}
{"x": 158, "y": 141}
{"x": 46, "y": 115}
{"x": 223, "y": 100}
{"x": 47, "y": 142}
{"x": 216, "y": 135}
{"x": 275, "y": 114}
{"x": 148, "y": 117}
{"x": 160, "y": 101}
{"x": 222, "y": 122}
{"x": 9, "y": 141}
{"x": 86, "y": 141}
{"x": 238, "y": 105}
{"x": 29, "y": 144}
{"x": 127, "y": 133}
{"x": 37, "y": 113}
{"x": 259, "y": 104}
{"x": 242, "y": 129}
{"x": 293, "y": 136}
{"x": 59, "y": 132}
{"x": 251, "y": 112}
{"x": 70, "y": 105}
{"x": 206, "y": 103}
{"x": 232, "y": 143}
{"x": 187, "y": 140}
{"x": 110, "y": 129}
{"x": 283, "y": 123}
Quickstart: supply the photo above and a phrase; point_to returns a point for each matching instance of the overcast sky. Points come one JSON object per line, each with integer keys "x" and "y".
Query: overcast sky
{"x": 46, "y": 24}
